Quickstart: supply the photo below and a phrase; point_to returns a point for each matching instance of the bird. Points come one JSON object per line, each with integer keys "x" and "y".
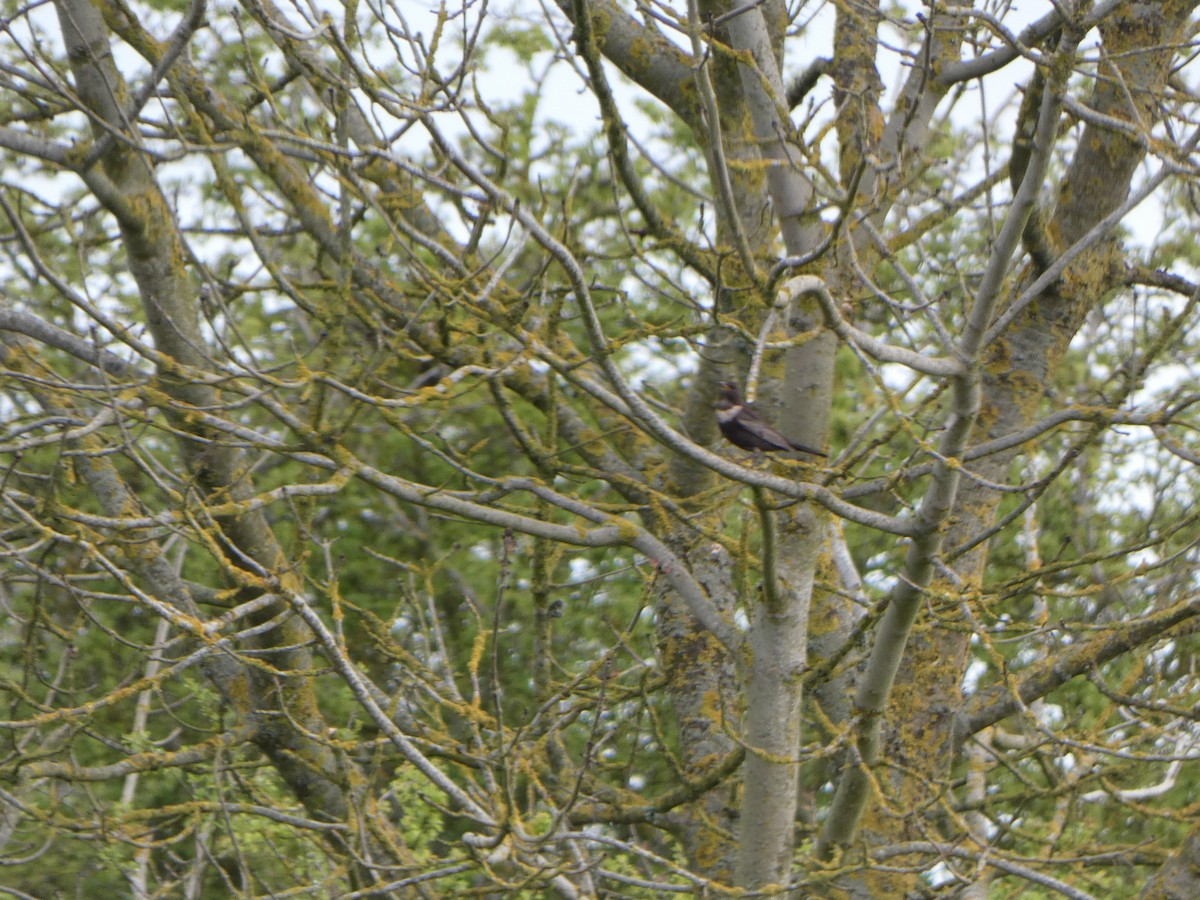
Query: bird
{"x": 743, "y": 427}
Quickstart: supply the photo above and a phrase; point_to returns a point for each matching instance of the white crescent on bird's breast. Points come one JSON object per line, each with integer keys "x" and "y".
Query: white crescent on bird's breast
{"x": 725, "y": 416}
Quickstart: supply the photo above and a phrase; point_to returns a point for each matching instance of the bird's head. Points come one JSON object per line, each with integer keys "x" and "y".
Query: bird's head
{"x": 728, "y": 395}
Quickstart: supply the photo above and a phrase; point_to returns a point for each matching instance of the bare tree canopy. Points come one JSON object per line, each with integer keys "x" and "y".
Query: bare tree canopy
{"x": 366, "y": 526}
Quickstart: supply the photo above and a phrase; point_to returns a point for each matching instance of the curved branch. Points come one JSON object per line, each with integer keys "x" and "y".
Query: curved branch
{"x": 1017, "y": 45}
{"x": 938, "y": 367}
{"x": 984, "y": 857}
{"x": 990, "y": 706}
{"x": 644, "y": 56}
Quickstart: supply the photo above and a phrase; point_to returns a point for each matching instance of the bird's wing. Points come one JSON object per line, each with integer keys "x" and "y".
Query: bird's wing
{"x": 768, "y": 436}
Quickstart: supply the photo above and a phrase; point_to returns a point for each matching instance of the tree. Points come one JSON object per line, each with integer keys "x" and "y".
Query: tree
{"x": 366, "y": 527}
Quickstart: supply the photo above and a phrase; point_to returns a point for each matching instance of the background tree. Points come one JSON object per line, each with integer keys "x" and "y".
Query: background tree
{"x": 365, "y": 525}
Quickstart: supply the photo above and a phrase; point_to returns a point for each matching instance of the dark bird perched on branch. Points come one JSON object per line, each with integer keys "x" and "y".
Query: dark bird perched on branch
{"x": 743, "y": 427}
